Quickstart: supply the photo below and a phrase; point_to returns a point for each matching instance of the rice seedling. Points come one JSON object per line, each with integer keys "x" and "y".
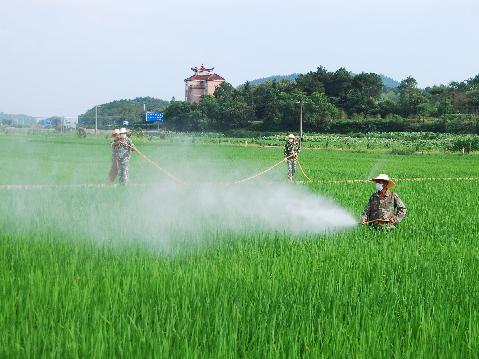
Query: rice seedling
{"x": 85, "y": 272}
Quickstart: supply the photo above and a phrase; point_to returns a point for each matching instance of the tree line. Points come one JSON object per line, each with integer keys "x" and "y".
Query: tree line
{"x": 336, "y": 101}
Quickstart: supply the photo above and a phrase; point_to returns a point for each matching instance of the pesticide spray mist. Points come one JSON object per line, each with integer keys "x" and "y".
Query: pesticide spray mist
{"x": 269, "y": 207}
{"x": 166, "y": 212}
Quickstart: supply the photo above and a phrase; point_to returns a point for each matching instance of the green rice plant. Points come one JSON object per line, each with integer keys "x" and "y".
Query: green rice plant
{"x": 77, "y": 281}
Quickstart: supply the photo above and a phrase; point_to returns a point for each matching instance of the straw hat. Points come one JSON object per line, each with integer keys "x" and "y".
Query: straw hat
{"x": 116, "y": 132}
{"x": 291, "y": 136}
{"x": 123, "y": 130}
{"x": 384, "y": 177}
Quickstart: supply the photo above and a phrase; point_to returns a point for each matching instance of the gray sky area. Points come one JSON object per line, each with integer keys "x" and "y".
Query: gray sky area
{"x": 61, "y": 57}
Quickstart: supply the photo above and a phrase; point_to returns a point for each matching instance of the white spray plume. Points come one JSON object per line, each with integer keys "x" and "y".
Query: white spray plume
{"x": 163, "y": 215}
{"x": 275, "y": 207}
{"x": 164, "y": 212}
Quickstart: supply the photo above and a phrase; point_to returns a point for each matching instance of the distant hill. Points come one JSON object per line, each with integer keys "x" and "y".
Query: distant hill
{"x": 113, "y": 114}
{"x": 17, "y": 120}
{"x": 387, "y": 81}
{"x": 261, "y": 80}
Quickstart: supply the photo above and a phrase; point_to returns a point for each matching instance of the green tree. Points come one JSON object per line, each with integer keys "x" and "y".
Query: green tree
{"x": 426, "y": 109}
{"x": 410, "y": 97}
{"x": 319, "y": 112}
{"x": 341, "y": 82}
{"x": 235, "y": 114}
{"x": 234, "y": 111}
{"x": 472, "y": 102}
{"x": 314, "y": 81}
{"x": 246, "y": 91}
{"x": 210, "y": 107}
{"x": 266, "y": 106}
{"x": 440, "y": 97}
{"x": 363, "y": 97}
{"x": 289, "y": 109}
{"x": 184, "y": 116}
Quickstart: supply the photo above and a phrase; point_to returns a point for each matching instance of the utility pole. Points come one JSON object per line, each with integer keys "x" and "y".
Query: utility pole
{"x": 301, "y": 104}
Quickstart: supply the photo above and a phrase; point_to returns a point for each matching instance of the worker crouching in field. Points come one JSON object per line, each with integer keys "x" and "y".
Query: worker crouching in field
{"x": 384, "y": 208}
{"x": 124, "y": 148}
{"x": 114, "y": 156}
{"x": 291, "y": 151}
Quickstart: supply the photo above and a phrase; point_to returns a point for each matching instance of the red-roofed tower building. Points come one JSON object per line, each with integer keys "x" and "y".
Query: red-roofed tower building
{"x": 203, "y": 82}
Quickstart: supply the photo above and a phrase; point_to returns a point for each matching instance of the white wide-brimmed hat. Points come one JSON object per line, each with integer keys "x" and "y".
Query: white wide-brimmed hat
{"x": 291, "y": 136}
{"x": 116, "y": 132}
{"x": 384, "y": 177}
{"x": 123, "y": 130}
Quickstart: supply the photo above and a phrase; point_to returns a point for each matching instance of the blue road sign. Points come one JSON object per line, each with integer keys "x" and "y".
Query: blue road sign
{"x": 153, "y": 116}
{"x": 46, "y": 122}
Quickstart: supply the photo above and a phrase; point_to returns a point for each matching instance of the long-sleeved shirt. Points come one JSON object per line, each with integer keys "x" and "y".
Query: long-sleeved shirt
{"x": 291, "y": 149}
{"x": 114, "y": 148}
{"x": 123, "y": 148}
{"x": 390, "y": 206}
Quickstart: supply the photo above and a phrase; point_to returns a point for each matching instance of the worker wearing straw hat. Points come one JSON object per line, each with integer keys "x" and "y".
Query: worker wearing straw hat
{"x": 291, "y": 151}
{"x": 125, "y": 146}
{"x": 384, "y": 208}
{"x": 114, "y": 156}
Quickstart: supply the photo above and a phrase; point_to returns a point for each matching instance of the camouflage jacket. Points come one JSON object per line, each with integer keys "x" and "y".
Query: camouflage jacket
{"x": 292, "y": 149}
{"x": 384, "y": 208}
{"x": 124, "y": 148}
{"x": 114, "y": 148}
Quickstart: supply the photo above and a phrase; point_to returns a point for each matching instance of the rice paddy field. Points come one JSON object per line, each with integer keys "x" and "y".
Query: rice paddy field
{"x": 86, "y": 272}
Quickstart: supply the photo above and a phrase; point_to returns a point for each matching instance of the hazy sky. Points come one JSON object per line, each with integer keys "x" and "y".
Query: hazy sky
{"x": 61, "y": 57}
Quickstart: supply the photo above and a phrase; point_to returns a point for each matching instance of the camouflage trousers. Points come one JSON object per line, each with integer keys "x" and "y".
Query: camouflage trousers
{"x": 291, "y": 168}
{"x": 383, "y": 226}
{"x": 123, "y": 170}
{"x": 113, "y": 170}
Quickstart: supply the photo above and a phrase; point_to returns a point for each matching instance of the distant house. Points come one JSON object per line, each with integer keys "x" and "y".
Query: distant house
{"x": 203, "y": 82}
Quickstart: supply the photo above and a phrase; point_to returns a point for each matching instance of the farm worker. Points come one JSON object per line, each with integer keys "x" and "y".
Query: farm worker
{"x": 114, "y": 156}
{"x": 125, "y": 146}
{"x": 291, "y": 151}
{"x": 384, "y": 208}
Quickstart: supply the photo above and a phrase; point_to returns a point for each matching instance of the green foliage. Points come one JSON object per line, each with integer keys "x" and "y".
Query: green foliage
{"x": 184, "y": 116}
{"x": 465, "y": 144}
{"x": 364, "y": 93}
{"x": 234, "y": 111}
{"x": 455, "y": 123}
{"x": 338, "y": 101}
{"x": 411, "y": 98}
{"x": 266, "y": 105}
{"x": 319, "y": 112}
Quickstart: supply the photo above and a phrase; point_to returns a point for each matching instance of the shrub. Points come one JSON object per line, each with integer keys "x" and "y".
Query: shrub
{"x": 465, "y": 144}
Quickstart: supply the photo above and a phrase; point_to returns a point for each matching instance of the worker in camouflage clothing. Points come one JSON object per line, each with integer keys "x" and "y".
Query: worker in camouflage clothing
{"x": 125, "y": 146}
{"x": 384, "y": 208}
{"x": 291, "y": 151}
{"x": 114, "y": 156}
